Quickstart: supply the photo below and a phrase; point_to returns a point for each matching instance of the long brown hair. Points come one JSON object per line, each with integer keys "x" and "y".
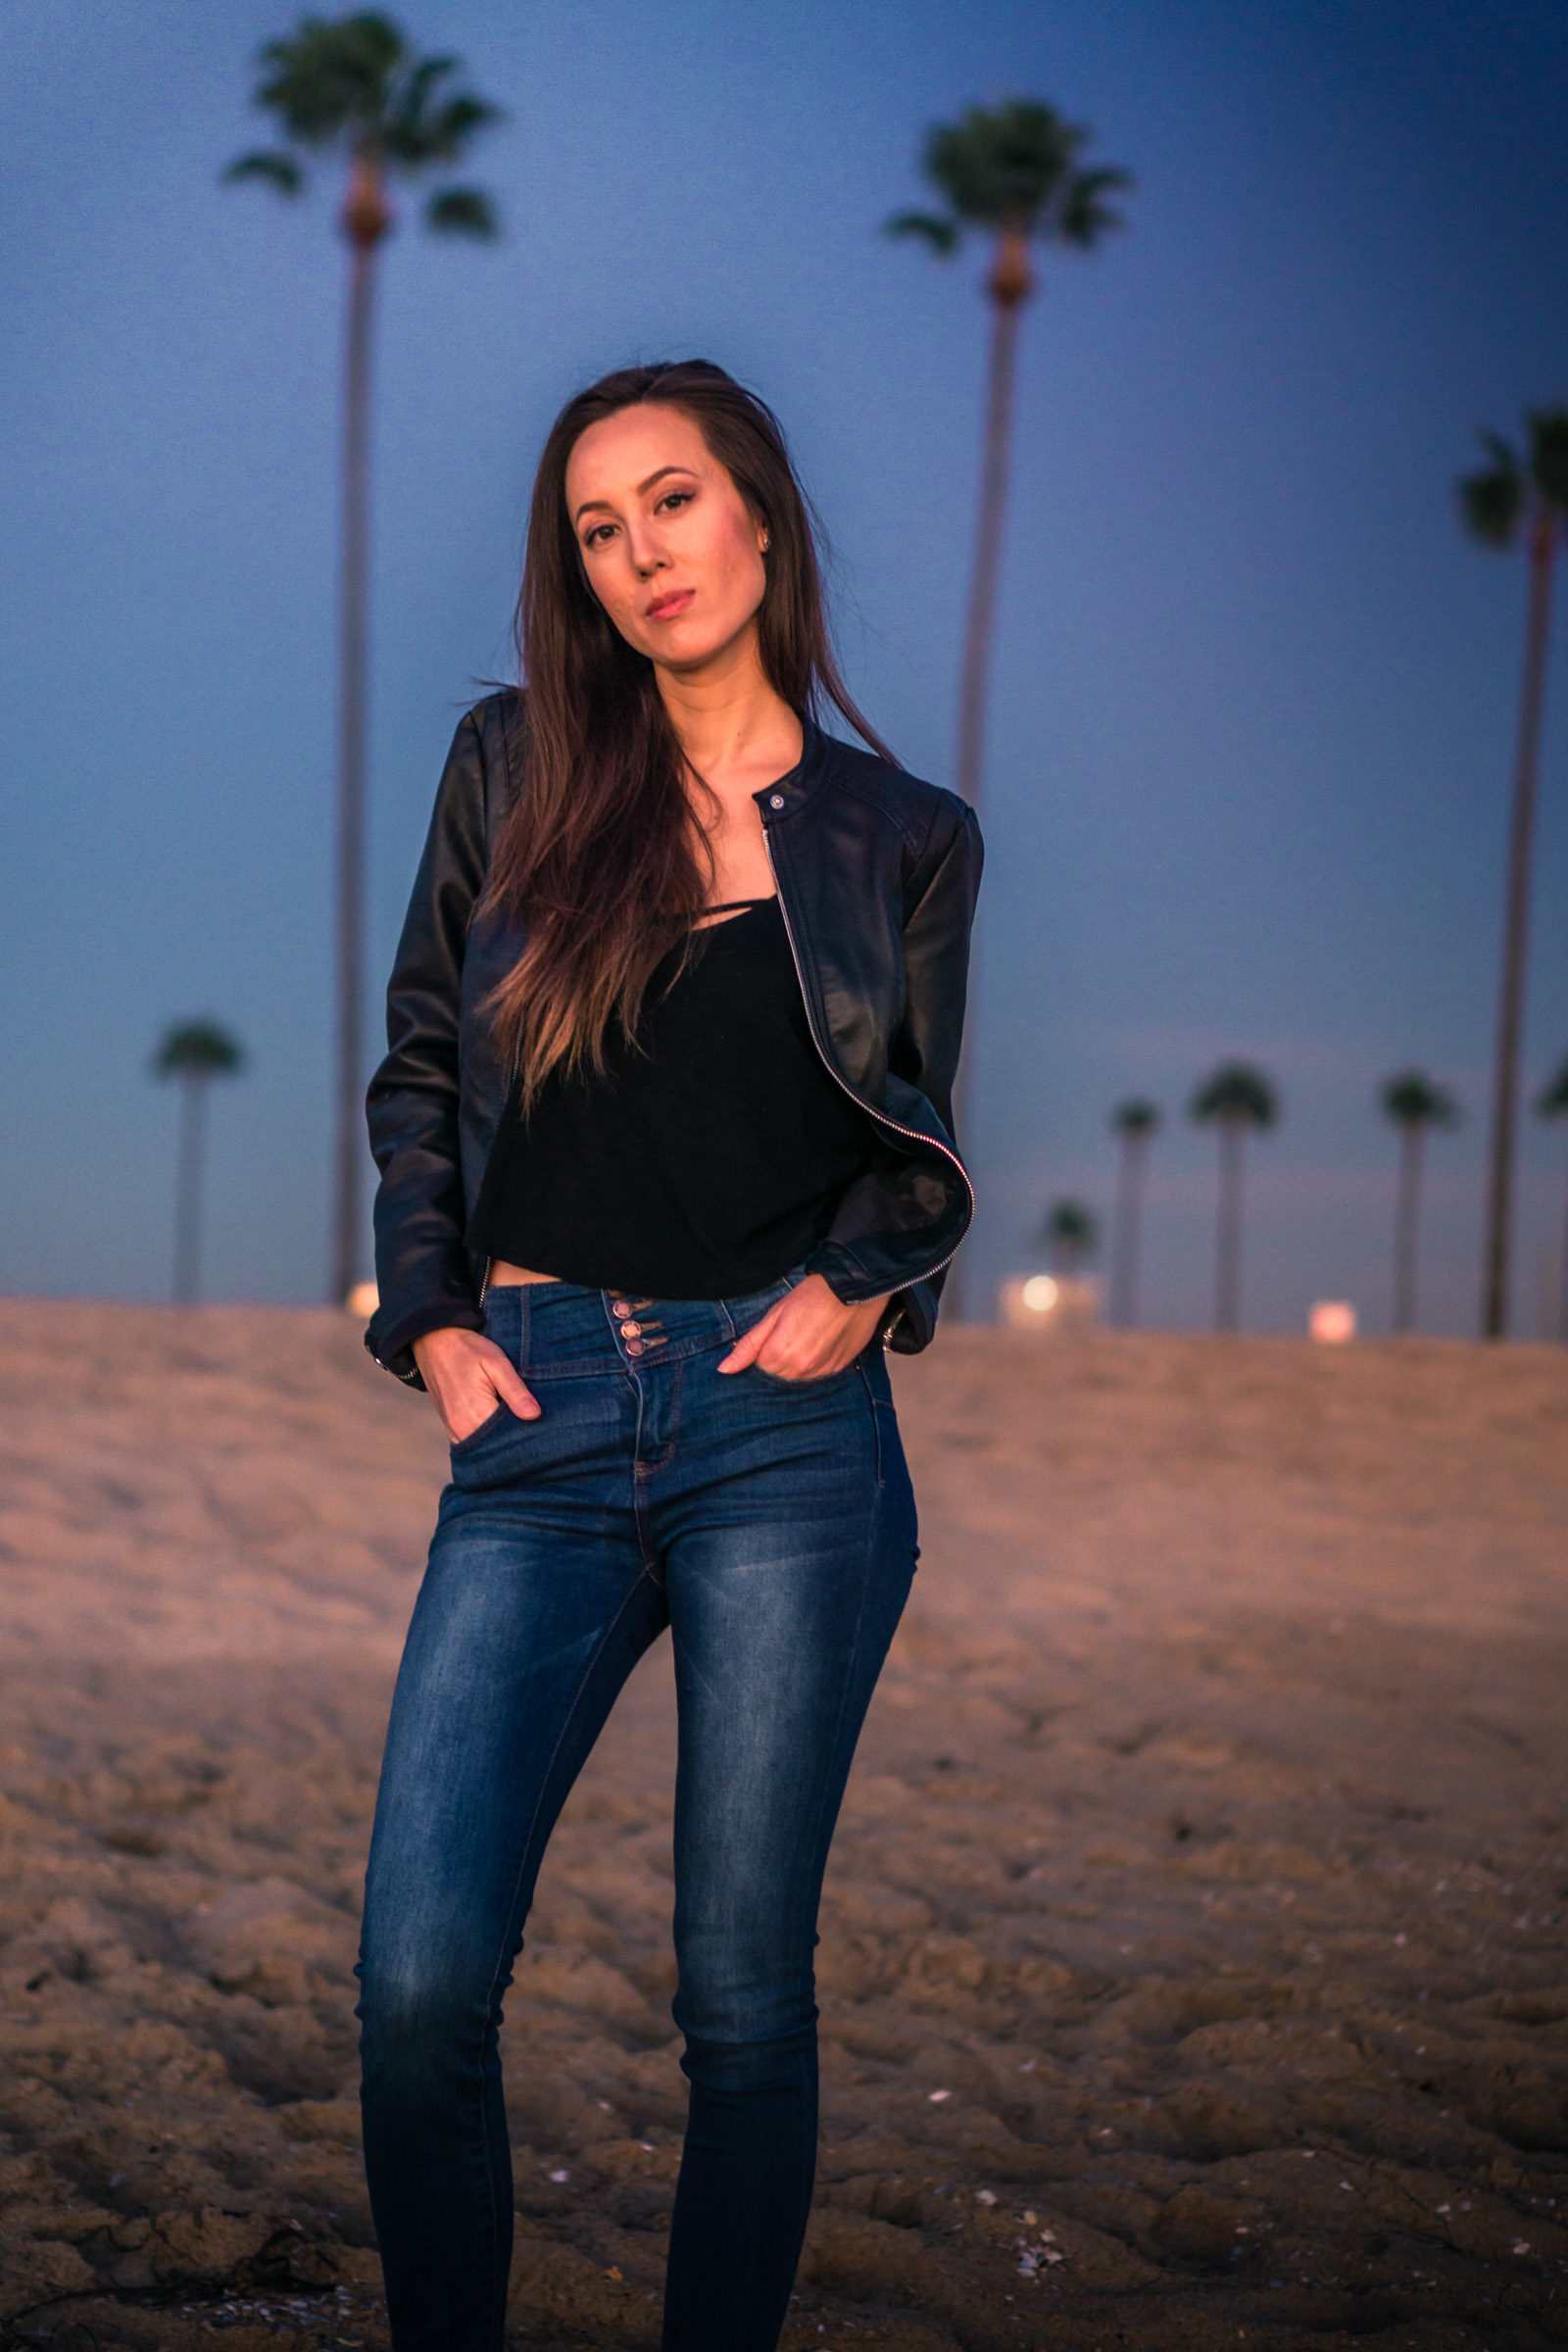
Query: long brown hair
{"x": 602, "y": 855}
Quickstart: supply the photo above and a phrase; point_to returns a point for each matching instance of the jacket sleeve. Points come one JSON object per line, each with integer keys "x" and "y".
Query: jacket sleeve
{"x": 422, "y": 1270}
{"x": 880, "y": 1219}
{"x": 939, "y": 904}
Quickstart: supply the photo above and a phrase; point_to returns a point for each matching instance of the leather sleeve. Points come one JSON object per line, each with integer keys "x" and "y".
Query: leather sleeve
{"x": 939, "y": 904}
{"x": 422, "y": 1270}
{"x": 879, "y": 1221}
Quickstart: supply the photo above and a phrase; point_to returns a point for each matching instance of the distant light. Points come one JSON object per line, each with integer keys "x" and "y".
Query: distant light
{"x": 1039, "y": 1293}
{"x": 1332, "y": 1322}
{"x": 362, "y": 1301}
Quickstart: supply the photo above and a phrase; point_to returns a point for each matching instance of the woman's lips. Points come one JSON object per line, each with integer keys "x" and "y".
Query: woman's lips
{"x": 668, "y": 608}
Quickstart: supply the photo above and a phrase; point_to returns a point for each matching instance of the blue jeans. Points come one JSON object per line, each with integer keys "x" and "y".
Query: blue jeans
{"x": 771, "y": 1524}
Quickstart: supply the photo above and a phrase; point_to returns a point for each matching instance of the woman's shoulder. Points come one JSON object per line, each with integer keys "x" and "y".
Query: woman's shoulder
{"x": 500, "y": 721}
{"x": 922, "y": 812}
{"x": 484, "y": 766}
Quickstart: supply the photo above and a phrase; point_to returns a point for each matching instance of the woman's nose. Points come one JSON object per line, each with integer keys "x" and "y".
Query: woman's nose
{"x": 647, "y": 555}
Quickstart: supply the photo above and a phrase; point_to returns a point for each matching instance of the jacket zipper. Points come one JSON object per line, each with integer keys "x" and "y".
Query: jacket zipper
{"x": 928, "y": 1142}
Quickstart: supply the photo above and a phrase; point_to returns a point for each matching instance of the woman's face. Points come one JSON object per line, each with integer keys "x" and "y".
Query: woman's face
{"x": 667, "y": 543}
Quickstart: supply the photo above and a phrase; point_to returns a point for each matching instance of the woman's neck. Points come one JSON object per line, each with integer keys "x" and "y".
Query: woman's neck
{"x": 736, "y": 731}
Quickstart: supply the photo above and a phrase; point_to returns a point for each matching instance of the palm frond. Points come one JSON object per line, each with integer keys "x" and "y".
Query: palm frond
{"x": 415, "y": 138}
{"x": 461, "y": 213}
{"x": 280, "y": 171}
{"x": 406, "y": 132}
{"x": 1136, "y": 1117}
{"x": 1238, "y": 1095}
{"x": 422, "y": 81}
{"x": 1003, "y": 166}
{"x": 353, "y": 83}
{"x": 1083, "y": 215}
{"x": 1491, "y": 500}
{"x": 1548, "y": 454}
{"x": 330, "y": 76}
{"x": 943, "y": 236}
{"x": 198, "y": 1049}
{"x": 1413, "y": 1100}
{"x": 1069, "y": 1231}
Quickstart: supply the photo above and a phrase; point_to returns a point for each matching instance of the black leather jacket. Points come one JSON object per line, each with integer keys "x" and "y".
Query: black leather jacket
{"x": 877, "y": 875}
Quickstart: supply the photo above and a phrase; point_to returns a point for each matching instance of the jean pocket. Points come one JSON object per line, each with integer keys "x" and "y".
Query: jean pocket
{"x": 816, "y": 1387}
{"x": 486, "y": 1429}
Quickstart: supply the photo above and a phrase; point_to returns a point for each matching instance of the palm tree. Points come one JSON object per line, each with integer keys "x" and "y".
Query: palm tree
{"x": 353, "y": 87}
{"x": 1236, "y": 1098}
{"x": 1070, "y": 1235}
{"x": 195, "y": 1052}
{"x": 1012, "y": 171}
{"x": 1136, "y": 1124}
{"x": 1414, "y": 1104}
{"x": 1553, "y": 1104}
{"x": 1516, "y": 494}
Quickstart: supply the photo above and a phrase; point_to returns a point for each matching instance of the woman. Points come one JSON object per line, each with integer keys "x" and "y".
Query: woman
{"x": 663, "y": 1133}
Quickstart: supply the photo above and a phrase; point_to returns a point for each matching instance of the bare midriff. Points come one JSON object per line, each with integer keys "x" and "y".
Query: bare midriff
{"x": 503, "y": 1276}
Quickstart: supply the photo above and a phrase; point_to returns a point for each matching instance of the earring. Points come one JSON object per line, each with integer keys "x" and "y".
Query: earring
{"x": 765, "y": 543}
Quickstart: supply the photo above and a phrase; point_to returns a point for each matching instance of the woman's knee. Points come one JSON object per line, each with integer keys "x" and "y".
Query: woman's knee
{"x": 753, "y": 2069}
{"x": 419, "y": 2002}
{"x": 726, "y": 2003}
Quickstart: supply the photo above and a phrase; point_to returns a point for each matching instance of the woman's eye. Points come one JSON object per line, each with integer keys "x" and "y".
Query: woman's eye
{"x": 676, "y": 497}
{"x": 599, "y": 534}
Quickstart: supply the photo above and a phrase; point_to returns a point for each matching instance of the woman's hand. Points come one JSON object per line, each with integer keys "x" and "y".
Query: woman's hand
{"x": 468, "y": 1377}
{"x": 808, "y": 1336}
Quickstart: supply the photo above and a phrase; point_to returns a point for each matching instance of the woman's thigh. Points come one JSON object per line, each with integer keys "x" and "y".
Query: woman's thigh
{"x": 535, "y": 1606}
{"x": 786, "y": 1577}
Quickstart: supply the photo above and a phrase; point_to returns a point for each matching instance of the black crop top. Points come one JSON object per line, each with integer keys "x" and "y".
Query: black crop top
{"x": 708, "y": 1156}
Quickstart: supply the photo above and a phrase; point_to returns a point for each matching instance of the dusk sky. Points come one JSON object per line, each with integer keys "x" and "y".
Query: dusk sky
{"x": 1254, "y": 693}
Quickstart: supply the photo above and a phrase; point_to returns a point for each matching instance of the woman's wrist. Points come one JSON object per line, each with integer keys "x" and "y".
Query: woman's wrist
{"x": 431, "y": 1345}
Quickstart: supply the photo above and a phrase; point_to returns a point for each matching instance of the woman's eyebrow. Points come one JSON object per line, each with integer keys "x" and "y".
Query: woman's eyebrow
{"x": 642, "y": 488}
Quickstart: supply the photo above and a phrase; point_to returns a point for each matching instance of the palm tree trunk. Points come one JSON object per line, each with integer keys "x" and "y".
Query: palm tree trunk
{"x": 352, "y": 695}
{"x": 1406, "y": 1224}
{"x": 188, "y": 1187}
{"x": 1126, "y": 1230}
{"x": 1009, "y": 286}
{"x": 1010, "y": 283}
{"x": 1228, "y": 1237}
{"x": 1510, "y": 1007}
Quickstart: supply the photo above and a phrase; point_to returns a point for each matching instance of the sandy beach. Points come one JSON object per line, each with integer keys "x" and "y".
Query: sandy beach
{"x": 1193, "y": 1966}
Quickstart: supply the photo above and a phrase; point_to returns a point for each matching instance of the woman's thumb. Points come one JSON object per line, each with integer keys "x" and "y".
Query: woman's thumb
{"x": 515, "y": 1391}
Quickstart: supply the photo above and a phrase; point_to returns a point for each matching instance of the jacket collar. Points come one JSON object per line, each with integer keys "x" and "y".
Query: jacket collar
{"x": 791, "y": 791}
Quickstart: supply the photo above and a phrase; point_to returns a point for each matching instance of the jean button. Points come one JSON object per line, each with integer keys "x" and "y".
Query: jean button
{"x": 631, "y": 1331}
{"x": 775, "y": 799}
{"x": 634, "y": 1347}
{"x": 620, "y": 1306}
